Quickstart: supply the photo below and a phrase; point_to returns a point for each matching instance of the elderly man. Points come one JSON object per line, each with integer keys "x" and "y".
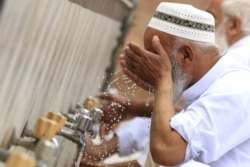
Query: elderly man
{"x": 180, "y": 56}
{"x": 232, "y": 23}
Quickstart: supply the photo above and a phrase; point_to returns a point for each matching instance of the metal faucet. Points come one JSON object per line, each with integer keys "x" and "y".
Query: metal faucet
{"x": 76, "y": 132}
{"x": 17, "y": 159}
{"x": 4, "y": 154}
{"x": 41, "y": 141}
{"x": 81, "y": 119}
{"x": 75, "y": 112}
{"x": 45, "y": 149}
{"x": 96, "y": 115}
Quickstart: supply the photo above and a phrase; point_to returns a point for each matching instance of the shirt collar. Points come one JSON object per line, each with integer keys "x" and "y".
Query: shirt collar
{"x": 243, "y": 41}
{"x": 193, "y": 92}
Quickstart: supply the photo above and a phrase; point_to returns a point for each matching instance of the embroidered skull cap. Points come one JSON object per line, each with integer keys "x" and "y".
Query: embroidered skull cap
{"x": 183, "y": 20}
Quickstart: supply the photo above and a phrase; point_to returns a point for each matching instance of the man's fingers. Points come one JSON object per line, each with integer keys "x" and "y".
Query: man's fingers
{"x": 106, "y": 96}
{"x": 136, "y": 49}
{"x": 130, "y": 55}
{"x": 123, "y": 63}
{"x": 102, "y": 132}
{"x": 132, "y": 61}
{"x": 157, "y": 45}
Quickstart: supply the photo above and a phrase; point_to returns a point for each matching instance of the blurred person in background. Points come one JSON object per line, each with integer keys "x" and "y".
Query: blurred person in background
{"x": 124, "y": 138}
{"x": 129, "y": 136}
{"x": 232, "y": 22}
{"x": 132, "y": 136}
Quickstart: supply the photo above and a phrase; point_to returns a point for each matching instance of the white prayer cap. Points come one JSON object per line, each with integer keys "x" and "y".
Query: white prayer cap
{"x": 184, "y": 21}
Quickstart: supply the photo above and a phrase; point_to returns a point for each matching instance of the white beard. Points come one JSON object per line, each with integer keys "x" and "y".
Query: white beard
{"x": 180, "y": 79}
{"x": 220, "y": 37}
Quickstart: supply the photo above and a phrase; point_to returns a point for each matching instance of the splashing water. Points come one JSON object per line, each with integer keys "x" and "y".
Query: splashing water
{"x": 147, "y": 102}
{"x": 125, "y": 85}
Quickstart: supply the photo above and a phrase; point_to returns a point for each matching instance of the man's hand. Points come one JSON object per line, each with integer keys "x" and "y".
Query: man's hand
{"x": 146, "y": 68}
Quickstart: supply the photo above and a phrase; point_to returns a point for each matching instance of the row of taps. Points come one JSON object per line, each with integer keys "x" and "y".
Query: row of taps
{"x": 73, "y": 126}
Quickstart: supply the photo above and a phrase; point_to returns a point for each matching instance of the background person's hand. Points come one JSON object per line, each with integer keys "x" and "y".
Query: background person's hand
{"x": 106, "y": 129}
{"x": 97, "y": 153}
{"x": 92, "y": 152}
{"x": 87, "y": 163}
{"x": 116, "y": 108}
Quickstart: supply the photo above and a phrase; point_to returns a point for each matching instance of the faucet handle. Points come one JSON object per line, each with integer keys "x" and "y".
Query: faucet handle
{"x": 45, "y": 128}
{"x": 91, "y": 102}
{"x": 18, "y": 159}
{"x": 57, "y": 117}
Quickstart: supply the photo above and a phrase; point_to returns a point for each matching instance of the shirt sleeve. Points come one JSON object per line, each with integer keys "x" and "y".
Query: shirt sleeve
{"x": 143, "y": 157}
{"x": 213, "y": 125}
{"x": 133, "y": 135}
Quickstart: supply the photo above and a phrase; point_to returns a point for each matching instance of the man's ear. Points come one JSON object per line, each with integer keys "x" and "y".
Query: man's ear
{"x": 234, "y": 26}
{"x": 186, "y": 54}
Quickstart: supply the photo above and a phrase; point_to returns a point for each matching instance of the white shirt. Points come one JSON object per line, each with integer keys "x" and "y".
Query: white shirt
{"x": 133, "y": 135}
{"x": 216, "y": 117}
{"x": 241, "y": 50}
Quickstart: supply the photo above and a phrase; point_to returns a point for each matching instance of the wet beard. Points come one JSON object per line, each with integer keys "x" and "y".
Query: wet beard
{"x": 220, "y": 37}
{"x": 180, "y": 79}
